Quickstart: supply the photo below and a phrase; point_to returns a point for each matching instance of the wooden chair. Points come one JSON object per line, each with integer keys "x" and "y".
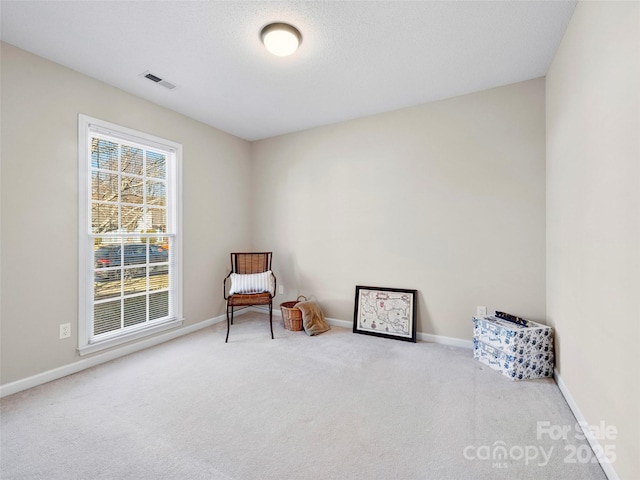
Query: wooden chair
{"x": 246, "y": 264}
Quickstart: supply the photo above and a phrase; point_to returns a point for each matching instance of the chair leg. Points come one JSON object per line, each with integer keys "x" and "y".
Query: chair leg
{"x": 228, "y": 323}
{"x": 271, "y": 319}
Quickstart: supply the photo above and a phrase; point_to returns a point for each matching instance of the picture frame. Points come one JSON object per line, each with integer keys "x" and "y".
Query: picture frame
{"x": 385, "y": 312}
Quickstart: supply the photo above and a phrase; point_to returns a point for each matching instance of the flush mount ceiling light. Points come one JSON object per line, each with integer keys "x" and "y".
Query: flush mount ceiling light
{"x": 281, "y": 39}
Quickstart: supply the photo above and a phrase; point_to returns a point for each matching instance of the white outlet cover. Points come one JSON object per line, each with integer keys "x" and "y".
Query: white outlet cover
{"x": 65, "y": 330}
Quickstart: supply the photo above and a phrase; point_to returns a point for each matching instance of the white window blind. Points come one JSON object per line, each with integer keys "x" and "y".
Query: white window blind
{"x": 130, "y": 263}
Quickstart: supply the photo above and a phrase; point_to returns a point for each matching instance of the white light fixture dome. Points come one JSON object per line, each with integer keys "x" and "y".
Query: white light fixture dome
{"x": 281, "y": 39}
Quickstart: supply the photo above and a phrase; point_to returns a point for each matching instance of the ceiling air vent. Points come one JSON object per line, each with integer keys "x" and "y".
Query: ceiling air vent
{"x": 156, "y": 79}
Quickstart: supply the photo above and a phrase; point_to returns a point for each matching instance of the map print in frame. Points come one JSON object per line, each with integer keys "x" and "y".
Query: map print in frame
{"x": 385, "y": 312}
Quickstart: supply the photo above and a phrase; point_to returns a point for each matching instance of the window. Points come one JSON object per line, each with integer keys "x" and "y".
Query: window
{"x": 129, "y": 235}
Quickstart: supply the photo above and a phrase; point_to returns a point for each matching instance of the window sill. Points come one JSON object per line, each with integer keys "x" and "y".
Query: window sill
{"x": 113, "y": 342}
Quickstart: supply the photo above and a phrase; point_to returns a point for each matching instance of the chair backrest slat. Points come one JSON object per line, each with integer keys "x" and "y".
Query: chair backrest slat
{"x": 245, "y": 263}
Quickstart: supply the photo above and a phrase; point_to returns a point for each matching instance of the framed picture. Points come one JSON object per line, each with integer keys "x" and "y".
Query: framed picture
{"x": 385, "y": 312}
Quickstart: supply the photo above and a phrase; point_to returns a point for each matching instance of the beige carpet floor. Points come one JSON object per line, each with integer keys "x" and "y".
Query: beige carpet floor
{"x": 336, "y": 406}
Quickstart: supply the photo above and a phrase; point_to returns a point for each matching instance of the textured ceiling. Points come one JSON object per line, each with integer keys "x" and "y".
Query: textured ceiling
{"x": 357, "y": 58}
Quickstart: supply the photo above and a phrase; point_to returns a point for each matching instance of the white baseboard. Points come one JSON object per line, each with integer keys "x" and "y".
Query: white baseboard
{"x": 425, "y": 337}
{"x": 607, "y": 467}
{"x": 441, "y": 339}
{"x": 56, "y": 373}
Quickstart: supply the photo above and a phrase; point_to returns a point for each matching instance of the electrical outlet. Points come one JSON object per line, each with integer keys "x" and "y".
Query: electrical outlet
{"x": 281, "y": 289}
{"x": 65, "y": 330}
{"x": 481, "y": 311}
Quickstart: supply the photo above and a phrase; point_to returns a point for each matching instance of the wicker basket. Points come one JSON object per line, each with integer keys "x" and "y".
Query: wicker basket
{"x": 292, "y": 316}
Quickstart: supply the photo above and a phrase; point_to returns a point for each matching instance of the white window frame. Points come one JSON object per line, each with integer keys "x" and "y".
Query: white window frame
{"x": 87, "y": 124}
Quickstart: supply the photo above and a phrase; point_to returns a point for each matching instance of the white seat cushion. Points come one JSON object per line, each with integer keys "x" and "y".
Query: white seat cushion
{"x": 251, "y": 283}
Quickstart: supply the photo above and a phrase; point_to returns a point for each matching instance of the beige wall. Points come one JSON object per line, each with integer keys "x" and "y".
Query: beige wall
{"x": 40, "y": 106}
{"x": 593, "y": 218}
{"x": 446, "y": 198}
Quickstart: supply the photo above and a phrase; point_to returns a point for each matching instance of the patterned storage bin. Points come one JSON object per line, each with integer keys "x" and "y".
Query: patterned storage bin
{"x": 519, "y": 351}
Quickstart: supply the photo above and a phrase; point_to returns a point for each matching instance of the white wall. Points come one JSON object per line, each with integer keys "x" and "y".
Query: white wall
{"x": 593, "y": 219}
{"x": 446, "y": 198}
{"x": 40, "y": 105}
